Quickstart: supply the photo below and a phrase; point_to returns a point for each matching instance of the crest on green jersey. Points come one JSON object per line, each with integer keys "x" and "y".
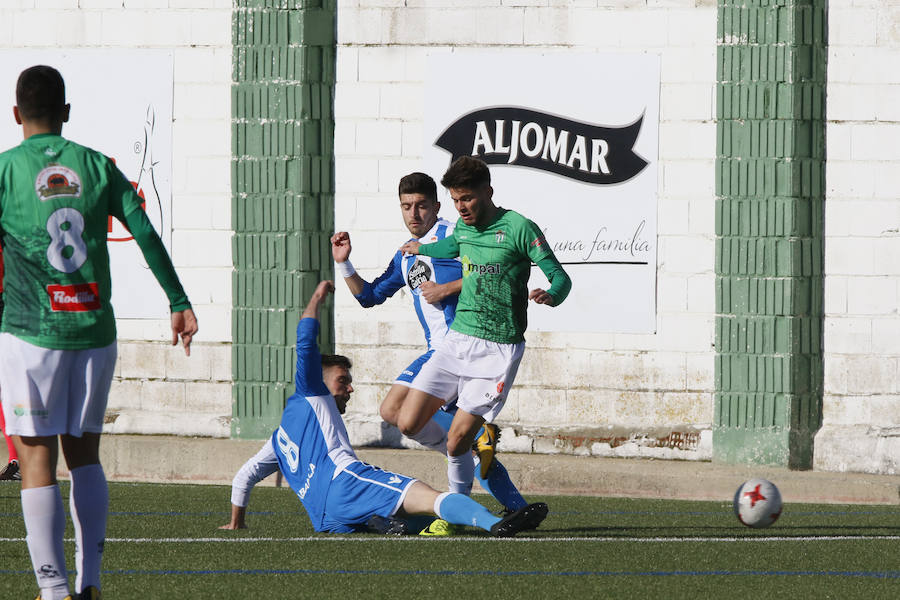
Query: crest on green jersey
{"x": 57, "y": 181}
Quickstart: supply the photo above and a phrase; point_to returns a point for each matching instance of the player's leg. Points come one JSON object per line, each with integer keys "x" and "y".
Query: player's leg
{"x": 462, "y": 510}
{"x": 90, "y": 376}
{"x": 35, "y": 396}
{"x": 11, "y": 471}
{"x": 430, "y": 434}
{"x": 418, "y": 407}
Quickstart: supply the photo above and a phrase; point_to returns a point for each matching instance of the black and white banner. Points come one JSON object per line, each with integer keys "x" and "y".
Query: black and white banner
{"x": 572, "y": 142}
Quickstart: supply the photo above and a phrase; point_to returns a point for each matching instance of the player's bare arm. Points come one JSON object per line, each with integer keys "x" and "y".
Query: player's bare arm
{"x": 340, "y": 251}
{"x": 184, "y": 325}
{"x": 410, "y": 247}
{"x": 433, "y": 292}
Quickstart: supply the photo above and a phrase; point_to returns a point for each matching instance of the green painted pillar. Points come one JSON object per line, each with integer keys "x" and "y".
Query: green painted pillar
{"x": 770, "y": 192}
{"x": 282, "y": 194}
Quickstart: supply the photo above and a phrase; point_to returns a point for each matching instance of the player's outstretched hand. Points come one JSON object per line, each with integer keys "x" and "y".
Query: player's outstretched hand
{"x": 184, "y": 324}
{"x": 410, "y": 247}
{"x": 340, "y": 246}
{"x": 323, "y": 289}
{"x": 542, "y": 297}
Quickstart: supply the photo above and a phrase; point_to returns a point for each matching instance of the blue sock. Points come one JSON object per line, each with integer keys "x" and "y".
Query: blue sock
{"x": 462, "y": 510}
{"x": 500, "y": 486}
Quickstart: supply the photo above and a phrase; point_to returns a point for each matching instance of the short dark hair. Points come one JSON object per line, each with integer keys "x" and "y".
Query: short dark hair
{"x": 40, "y": 93}
{"x": 466, "y": 172}
{"x": 336, "y": 360}
{"x": 418, "y": 183}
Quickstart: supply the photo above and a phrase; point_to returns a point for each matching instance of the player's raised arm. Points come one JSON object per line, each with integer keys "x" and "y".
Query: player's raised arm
{"x": 312, "y": 308}
{"x": 340, "y": 251}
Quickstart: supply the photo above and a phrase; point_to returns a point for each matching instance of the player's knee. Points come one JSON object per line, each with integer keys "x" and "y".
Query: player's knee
{"x": 456, "y": 445}
{"x": 408, "y": 427}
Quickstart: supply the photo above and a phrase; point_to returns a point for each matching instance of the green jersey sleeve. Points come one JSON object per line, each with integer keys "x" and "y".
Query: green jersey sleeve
{"x": 445, "y": 248}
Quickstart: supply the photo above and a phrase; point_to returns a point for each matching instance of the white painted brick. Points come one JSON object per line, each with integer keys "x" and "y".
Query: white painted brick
{"x": 673, "y": 215}
{"x": 163, "y": 396}
{"x": 202, "y": 65}
{"x": 636, "y": 409}
{"x": 207, "y": 286}
{"x": 851, "y": 27}
{"x": 199, "y": 3}
{"x": 201, "y": 212}
{"x": 687, "y": 333}
{"x": 700, "y": 371}
{"x": 639, "y": 30}
{"x": 391, "y": 170}
{"x": 887, "y": 99}
{"x": 83, "y": 30}
{"x": 142, "y": 360}
{"x": 220, "y": 359}
{"x": 702, "y": 293}
{"x": 862, "y": 218}
{"x": 347, "y": 64}
{"x": 887, "y": 31}
{"x": 687, "y": 101}
{"x": 691, "y": 27}
{"x": 685, "y": 254}
{"x": 671, "y": 292}
{"x": 210, "y": 28}
{"x": 543, "y": 407}
{"x": 849, "y": 256}
{"x": 356, "y": 100}
{"x": 689, "y": 178}
{"x": 132, "y": 4}
{"x": 846, "y": 410}
{"x": 6, "y": 28}
{"x": 196, "y": 367}
{"x": 886, "y": 336}
{"x": 697, "y": 64}
{"x": 410, "y": 26}
{"x": 383, "y": 215}
{"x": 684, "y": 408}
{"x": 546, "y": 26}
{"x": 498, "y": 27}
{"x": 401, "y": 100}
{"x": 871, "y": 375}
{"x": 124, "y": 395}
{"x": 875, "y": 142}
{"x": 359, "y": 26}
{"x": 687, "y": 140}
{"x": 382, "y": 64}
{"x": 835, "y": 369}
{"x": 849, "y": 179}
{"x": 202, "y": 101}
{"x": 540, "y": 367}
{"x": 16, "y": 4}
{"x": 859, "y": 65}
{"x": 520, "y": 3}
{"x": 356, "y": 175}
{"x": 33, "y": 28}
{"x": 378, "y": 138}
{"x": 203, "y": 175}
{"x": 587, "y": 407}
{"x": 202, "y": 136}
{"x": 887, "y": 255}
{"x": 157, "y": 330}
{"x": 702, "y": 215}
{"x": 837, "y": 139}
{"x": 214, "y": 398}
{"x": 887, "y": 181}
{"x": 848, "y": 335}
{"x": 872, "y": 296}
{"x": 344, "y": 137}
{"x": 411, "y": 141}
{"x": 835, "y": 295}
{"x": 89, "y": 4}
{"x": 852, "y": 102}
{"x": 198, "y": 248}
{"x": 215, "y": 323}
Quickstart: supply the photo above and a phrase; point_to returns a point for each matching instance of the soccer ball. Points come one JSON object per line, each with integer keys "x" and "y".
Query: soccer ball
{"x": 757, "y": 503}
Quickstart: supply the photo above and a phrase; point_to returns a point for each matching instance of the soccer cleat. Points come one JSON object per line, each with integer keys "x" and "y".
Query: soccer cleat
{"x": 532, "y": 524}
{"x": 11, "y": 472}
{"x": 486, "y": 446}
{"x": 89, "y": 593}
{"x": 66, "y": 598}
{"x": 527, "y": 517}
{"x": 440, "y": 528}
{"x": 384, "y": 526}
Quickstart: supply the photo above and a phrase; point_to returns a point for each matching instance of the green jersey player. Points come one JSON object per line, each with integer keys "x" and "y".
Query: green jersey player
{"x": 481, "y": 354}
{"x": 58, "y": 329}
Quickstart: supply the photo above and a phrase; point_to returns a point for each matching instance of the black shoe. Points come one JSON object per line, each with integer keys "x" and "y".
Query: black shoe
{"x": 532, "y": 524}
{"x": 11, "y": 472}
{"x": 388, "y": 526}
{"x": 527, "y": 517}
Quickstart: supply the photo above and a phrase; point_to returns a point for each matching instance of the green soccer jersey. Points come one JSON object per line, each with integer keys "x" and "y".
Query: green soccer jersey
{"x": 496, "y": 260}
{"x": 55, "y": 200}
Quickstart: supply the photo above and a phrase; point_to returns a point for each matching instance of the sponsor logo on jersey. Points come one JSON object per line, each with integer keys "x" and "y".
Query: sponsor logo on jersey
{"x": 500, "y": 236}
{"x": 57, "y": 181}
{"x": 20, "y": 411}
{"x": 418, "y": 274}
{"x": 79, "y": 297}
{"x": 500, "y": 387}
{"x": 470, "y": 268}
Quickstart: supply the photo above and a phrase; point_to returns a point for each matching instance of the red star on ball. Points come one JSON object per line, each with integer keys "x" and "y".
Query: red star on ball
{"x": 755, "y": 496}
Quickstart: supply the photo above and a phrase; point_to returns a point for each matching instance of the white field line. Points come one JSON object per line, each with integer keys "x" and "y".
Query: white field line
{"x": 413, "y": 538}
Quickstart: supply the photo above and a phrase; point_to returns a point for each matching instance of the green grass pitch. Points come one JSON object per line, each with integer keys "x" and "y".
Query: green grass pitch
{"x": 163, "y": 542}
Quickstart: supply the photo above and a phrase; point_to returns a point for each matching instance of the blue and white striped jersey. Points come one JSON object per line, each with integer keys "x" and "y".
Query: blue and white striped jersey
{"x": 412, "y": 271}
{"x": 311, "y": 443}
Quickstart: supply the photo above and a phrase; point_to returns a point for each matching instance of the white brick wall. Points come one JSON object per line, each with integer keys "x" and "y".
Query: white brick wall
{"x": 635, "y": 386}
{"x": 862, "y": 244}
{"x": 157, "y": 389}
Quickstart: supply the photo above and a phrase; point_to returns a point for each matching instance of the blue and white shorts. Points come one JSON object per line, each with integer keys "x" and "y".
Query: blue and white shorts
{"x": 410, "y": 372}
{"x": 360, "y": 492}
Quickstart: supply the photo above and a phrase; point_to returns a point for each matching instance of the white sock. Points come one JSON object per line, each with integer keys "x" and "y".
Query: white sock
{"x": 432, "y": 436}
{"x": 45, "y": 524}
{"x": 89, "y": 504}
{"x": 460, "y": 471}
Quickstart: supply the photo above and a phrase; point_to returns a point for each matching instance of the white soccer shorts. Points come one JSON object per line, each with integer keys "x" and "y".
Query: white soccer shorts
{"x": 50, "y": 392}
{"x": 481, "y": 372}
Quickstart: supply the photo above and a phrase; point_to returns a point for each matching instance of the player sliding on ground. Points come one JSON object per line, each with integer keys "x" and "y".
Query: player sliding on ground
{"x": 339, "y": 492}
{"x": 479, "y": 357}
{"x": 434, "y": 285}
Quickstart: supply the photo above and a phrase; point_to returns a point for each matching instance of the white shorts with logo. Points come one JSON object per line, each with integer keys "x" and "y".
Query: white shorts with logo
{"x": 479, "y": 371}
{"x": 50, "y": 392}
